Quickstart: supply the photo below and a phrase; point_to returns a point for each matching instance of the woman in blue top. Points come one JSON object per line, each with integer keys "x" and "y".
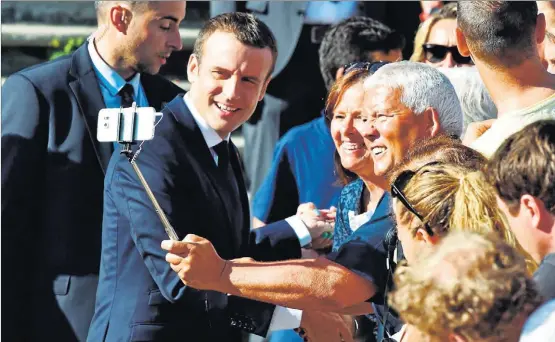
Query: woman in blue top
{"x": 354, "y": 165}
{"x": 363, "y": 207}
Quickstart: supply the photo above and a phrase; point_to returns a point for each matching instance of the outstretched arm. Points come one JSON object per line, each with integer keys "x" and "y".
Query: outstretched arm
{"x": 311, "y": 284}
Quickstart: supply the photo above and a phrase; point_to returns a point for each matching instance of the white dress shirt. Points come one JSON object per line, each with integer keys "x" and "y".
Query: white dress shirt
{"x": 283, "y": 318}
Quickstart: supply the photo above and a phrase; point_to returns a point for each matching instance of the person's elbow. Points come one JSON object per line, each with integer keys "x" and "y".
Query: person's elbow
{"x": 345, "y": 288}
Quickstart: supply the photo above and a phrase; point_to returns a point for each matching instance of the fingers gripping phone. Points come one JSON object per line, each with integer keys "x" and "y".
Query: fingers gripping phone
{"x": 134, "y": 124}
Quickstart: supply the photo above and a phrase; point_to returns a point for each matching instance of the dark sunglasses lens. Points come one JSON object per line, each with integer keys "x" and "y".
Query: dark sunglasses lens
{"x": 435, "y": 54}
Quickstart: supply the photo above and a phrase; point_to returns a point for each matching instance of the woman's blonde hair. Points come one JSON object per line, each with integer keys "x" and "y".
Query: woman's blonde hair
{"x": 450, "y": 197}
{"x": 471, "y": 285}
{"x": 448, "y": 11}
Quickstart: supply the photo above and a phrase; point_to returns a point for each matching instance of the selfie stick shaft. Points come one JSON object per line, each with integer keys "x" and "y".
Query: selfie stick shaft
{"x": 167, "y": 226}
{"x": 128, "y": 152}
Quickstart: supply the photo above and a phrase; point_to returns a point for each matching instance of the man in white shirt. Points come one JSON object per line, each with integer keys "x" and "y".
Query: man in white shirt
{"x": 502, "y": 38}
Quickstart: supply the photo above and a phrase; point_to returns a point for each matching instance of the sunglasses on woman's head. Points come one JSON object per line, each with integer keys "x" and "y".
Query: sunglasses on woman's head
{"x": 397, "y": 188}
{"x": 368, "y": 66}
{"x": 436, "y": 53}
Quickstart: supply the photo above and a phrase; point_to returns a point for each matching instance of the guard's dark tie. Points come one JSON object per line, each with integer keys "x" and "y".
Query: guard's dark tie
{"x": 222, "y": 150}
{"x": 126, "y": 94}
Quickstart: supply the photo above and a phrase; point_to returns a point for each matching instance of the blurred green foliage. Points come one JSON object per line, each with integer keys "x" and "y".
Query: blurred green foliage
{"x": 62, "y": 48}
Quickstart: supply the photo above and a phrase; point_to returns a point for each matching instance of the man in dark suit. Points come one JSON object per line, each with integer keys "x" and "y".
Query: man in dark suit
{"x": 53, "y": 167}
{"x": 194, "y": 171}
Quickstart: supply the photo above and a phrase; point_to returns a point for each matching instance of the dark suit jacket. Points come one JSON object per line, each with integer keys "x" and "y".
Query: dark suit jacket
{"x": 52, "y": 187}
{"x": 140, "y": 298}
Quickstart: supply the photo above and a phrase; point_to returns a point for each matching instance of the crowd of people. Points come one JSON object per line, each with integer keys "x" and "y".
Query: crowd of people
{"x": 418, "y": 205}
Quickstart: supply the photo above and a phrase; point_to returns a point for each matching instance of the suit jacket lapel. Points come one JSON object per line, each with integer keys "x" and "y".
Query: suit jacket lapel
{"x": 185, "y": 118}
{"x": 383, "y": 209}
{"x": 152, "y": 91}
{"x": 87, "y": 92}
{"x": 381, "y": 216}
{"x": 194, "y": 137}
{"x": 238, "y": 172}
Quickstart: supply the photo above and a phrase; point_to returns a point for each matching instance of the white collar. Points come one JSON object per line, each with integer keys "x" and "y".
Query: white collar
{"x": 210, "y": 136}
{"x": 110, "y": 78}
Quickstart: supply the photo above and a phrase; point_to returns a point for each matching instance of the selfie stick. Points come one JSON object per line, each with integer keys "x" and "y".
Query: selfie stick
{"x": 126, "y": 150}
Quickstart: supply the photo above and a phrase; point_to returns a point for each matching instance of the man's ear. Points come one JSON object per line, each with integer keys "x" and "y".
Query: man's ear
{"x": 534, "y": 209}
{"x": 433, "y": 126}
{"x": 192, "y": 68}
{"x": 422, "y": 235}
{"x": 462, "y": 45}
{"x": 120, "y": 18}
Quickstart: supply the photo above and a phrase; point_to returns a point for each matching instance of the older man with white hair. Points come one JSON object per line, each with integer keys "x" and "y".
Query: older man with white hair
{"x": 404, "y": 103}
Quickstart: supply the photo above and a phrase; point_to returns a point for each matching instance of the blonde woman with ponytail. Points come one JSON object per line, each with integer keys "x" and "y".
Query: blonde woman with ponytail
{"x": 438, "y": 198}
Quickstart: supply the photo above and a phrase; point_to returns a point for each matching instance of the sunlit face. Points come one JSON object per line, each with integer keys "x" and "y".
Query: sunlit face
{"x": 413, "y": 245}
{"x": 228, "y": 81}
{"x": 346, "y": 121}
{"x": 443, "y": 33}
{"x": 549, "y": 50}
{"x": 391, "y": 127}
{"x": 153, "y": 35}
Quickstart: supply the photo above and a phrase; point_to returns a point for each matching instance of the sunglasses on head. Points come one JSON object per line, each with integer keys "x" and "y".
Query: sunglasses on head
{"x": 397, "y": 188}
{"x": 368, "y": 66}
{"x": 436, "y": 53}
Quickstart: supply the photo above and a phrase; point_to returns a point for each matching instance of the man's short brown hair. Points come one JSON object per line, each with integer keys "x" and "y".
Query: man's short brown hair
{"x": 246, "y": 28}
{"x": 525, "y": 164}
{"x": 499, "y": 32}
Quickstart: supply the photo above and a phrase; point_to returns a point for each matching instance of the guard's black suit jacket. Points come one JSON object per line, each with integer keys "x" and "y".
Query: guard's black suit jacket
{"x": 140, "y": 298}
{"x": 52, "y": 187}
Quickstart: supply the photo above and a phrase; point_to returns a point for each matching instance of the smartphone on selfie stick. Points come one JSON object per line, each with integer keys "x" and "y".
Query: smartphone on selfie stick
{"x": 127, "y": 126}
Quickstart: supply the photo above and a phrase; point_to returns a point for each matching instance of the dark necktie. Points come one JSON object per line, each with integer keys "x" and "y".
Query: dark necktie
{"x": 222, "y": 150}
{"x": 231, "y": 194}
{"x": 126, "y": 94}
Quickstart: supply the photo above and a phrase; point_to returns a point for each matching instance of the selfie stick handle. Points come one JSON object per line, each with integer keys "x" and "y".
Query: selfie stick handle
{"x": 128, "y": 152}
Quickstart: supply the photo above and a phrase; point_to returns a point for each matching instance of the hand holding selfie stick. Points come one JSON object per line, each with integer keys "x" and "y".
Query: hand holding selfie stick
{"x": 131, "y": 156}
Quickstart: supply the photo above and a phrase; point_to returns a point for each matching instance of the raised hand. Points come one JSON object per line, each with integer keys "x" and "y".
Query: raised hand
{"x": 195, "y": 261}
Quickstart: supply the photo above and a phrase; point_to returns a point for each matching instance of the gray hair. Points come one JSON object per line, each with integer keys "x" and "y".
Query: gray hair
{"x": 422, "y": 87}
{"x": 475, "y": 101}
